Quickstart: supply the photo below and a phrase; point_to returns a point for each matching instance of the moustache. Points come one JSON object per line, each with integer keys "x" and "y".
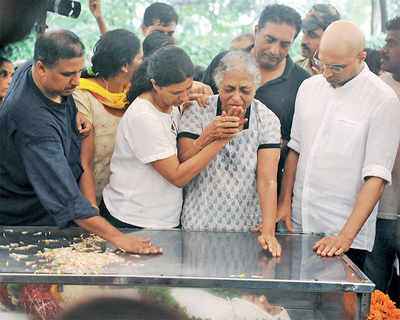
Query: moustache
{"x": 304, "y": 46}
{"x": 70, "y": 88}
{"x": 271, "y": 56}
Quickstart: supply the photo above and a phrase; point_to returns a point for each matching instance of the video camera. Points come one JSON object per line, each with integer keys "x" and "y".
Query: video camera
{"x": 66, "y": 8}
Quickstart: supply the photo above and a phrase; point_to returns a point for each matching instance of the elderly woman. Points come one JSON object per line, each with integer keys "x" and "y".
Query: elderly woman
{"x": 240, "y": 181}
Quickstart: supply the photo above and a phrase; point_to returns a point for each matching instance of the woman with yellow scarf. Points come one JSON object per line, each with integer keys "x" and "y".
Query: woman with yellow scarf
{"x": 101, "y": 97}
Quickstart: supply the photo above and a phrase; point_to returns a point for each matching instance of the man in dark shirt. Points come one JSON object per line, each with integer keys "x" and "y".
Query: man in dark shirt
{"x": 275, "y": 32}
{"x": 40, "y": 145}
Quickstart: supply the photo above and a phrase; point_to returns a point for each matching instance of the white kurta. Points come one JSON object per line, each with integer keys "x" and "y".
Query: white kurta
{"x": 342, "y": 135}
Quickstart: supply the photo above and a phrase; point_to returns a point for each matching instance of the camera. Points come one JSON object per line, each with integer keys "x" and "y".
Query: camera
{"x": 66, "y": 8}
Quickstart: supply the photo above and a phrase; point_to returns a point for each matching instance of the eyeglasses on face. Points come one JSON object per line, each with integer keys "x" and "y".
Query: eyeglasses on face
{"x": 333, "y": 67}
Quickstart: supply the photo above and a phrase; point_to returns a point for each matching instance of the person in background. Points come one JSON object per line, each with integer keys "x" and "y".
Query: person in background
{"x": 101, "y": 98}
{"x": 95, "y": 9}
{"x": 240, "y": 181}
{"x": 155, "y": 41}
{"x": 344, "y": 139}
{"x": 374, "y": 60}
{"x": 40, "y": 163}
{"x": 145, "y": 188}
{"x": 242, "y": 42}
{"x": 379, "y": 263}
{"x": 158, "y": 16}
{"x": 316, "y": 21}
{"x": 198, "y": 72}
{"x": 6, "y": 73}
{"x": 277, "y": 28}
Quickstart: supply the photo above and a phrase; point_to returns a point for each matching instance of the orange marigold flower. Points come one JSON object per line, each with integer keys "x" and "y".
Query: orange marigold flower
{"x": 382, "y": 308}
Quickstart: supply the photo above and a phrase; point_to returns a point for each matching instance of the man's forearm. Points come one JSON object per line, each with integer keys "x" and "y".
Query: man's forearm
{"x": 99, "y": 226}
{"x": 367, "y": 199}
{"x": 289, "y": 176}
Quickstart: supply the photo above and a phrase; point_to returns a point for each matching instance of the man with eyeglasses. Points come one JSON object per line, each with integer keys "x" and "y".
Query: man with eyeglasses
{"x": 314, "y": 24}
{"x": 340, "y": 157}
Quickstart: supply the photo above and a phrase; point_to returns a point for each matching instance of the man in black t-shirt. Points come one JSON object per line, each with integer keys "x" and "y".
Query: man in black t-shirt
{"x": 275, "y": 32}
{"x": 40, "y": 146}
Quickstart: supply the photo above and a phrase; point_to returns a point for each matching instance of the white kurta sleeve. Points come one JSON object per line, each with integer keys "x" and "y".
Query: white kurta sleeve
{"x": 383, "y": 140}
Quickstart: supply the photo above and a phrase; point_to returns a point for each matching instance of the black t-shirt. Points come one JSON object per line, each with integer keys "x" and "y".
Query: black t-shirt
{"x": 40, "y": 157}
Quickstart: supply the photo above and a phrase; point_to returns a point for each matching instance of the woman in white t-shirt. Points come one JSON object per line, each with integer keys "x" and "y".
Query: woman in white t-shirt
{"x": 146, "y": 174}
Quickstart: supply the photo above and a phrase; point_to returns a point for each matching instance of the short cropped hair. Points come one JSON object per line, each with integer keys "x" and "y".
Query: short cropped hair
{"x": 393, "y": 24}
{"x": 279, "y": 13}
{"x": 160, "y": 11}
{"x": 56, "y": 45}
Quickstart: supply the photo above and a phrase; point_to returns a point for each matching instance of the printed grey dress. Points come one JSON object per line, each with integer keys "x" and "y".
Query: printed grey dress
{"x": 223, "y": 197}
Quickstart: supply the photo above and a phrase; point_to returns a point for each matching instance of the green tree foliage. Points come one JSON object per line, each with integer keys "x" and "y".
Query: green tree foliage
{"x": 205, "y": 27}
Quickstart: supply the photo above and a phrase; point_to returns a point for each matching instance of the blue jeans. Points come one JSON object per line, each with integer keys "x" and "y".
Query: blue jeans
{"x": 378, "y": 265}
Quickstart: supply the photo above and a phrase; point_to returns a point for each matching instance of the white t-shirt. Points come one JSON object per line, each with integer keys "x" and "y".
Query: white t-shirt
{"x": 137, "y": 194}
{"x": 343, "y": 135}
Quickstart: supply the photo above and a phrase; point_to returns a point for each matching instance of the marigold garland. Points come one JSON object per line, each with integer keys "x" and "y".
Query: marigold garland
{"x": 382, "y": 308}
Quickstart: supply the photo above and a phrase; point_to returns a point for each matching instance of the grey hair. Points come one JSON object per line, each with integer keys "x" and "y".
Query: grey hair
{"x": 237, "y": 60}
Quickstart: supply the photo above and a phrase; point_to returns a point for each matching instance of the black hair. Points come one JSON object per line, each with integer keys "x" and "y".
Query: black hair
{"x": 279, "y": 13}
{"x": 3, "y": 60}
{"x": 167, "y": 66}
{"x": 160, "y": 11}
{"x": 156, "y": 40}
{"x": 56, "y": 45}
{"x": 106, "y": 308}
{"x": 393, "y": 24}
{"x": 112, "y": 51}
{"x": 198, "y": 72}
{"x": 373, "y": 60}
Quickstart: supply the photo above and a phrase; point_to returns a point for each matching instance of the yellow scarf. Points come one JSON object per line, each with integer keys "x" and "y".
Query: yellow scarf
{"x": 109, "y": 99}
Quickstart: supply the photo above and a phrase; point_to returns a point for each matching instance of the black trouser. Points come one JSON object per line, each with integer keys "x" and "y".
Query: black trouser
{"x": 379, "y": 262}
{"x": 358, "y": 257}
{"x": 114, "y": 221}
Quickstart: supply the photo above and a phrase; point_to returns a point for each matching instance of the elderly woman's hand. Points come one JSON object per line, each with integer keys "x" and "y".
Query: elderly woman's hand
{"x": 270, "y": 243}
{"x": 225, "y": 126}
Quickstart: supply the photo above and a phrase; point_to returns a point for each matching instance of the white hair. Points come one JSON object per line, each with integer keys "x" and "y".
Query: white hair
{"x": 237, "y": 60}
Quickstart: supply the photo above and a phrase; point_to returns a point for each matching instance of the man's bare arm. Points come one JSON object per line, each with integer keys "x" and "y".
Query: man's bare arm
{"x": 367, "y": 199}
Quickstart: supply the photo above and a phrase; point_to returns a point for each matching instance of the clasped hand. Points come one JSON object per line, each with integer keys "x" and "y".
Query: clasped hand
{"x": 225, "y": 126}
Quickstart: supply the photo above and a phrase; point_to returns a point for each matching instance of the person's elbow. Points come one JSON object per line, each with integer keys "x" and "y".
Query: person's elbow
{"x": 267, "y": 185}
{"x": 178, "y": 182}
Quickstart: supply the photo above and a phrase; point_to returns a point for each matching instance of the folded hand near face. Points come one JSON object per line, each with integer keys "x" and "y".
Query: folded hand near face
{"x": 225, "y": 126}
